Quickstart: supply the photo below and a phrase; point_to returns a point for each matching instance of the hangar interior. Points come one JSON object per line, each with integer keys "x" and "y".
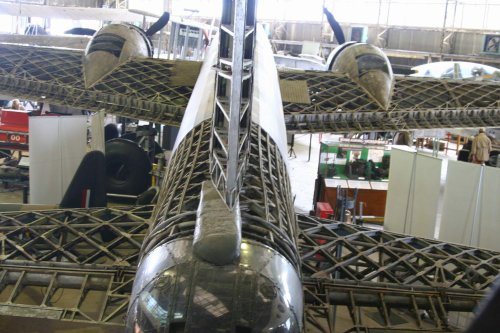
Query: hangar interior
{"x": 249, "y": 166}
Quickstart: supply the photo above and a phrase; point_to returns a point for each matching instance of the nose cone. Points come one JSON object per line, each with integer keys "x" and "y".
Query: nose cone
{"x": 229, "y": 300}
{"x": 262, "y": 293}
{"x": 96, "y": 65}
{"x": 379, "y": 85}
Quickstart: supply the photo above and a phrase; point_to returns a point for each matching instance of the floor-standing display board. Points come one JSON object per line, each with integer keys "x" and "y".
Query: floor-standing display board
{"x": 413, "y": 195}
{"x": 471, "y": 210}
{"x": 57, "y": 146}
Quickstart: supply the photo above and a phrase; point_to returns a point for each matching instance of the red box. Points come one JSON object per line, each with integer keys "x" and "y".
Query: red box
{"x": 14, "y": 120}
{"x": 323, "y": 210}
{"x": 14, "y": 129}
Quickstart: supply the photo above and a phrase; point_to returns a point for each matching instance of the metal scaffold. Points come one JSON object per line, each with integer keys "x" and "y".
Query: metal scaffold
{"x": 230, "y": 135}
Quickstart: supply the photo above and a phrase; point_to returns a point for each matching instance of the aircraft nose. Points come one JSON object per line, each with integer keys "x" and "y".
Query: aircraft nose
{"x": 379, "y": 86}
{"x": 225, "y": 301}
{"x": 262, "y": 293}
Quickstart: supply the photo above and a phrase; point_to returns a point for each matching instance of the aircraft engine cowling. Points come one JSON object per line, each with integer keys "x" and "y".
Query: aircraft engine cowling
{"x": 368, "y": 66}
{"x": 110, "y": 47}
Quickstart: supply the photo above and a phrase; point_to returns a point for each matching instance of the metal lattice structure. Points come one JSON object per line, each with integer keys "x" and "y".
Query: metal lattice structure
{"x": 140, "y": 89}
{"x": 340, "y": 105}
{"x": 156, "y": 90}
{"x": 386, "y": 280}
{"x": 265, "y": 199}
{"x": 70, "y": 265}
{"x": 78, "y": 266}
{"x": 374, "y": 255}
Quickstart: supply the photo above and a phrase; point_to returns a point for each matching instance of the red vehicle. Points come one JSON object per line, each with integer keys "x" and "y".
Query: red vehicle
{"x": 14, "y": 129}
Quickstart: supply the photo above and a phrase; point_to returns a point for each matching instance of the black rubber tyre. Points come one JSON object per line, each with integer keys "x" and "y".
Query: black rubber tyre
{"x": 127, "y": 168}
{"x": 133, "y": 137}
{"x": 129, "y": 136}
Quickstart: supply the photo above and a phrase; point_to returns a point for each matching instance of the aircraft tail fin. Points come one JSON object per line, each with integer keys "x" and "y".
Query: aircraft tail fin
{"x": 88, "y": 186}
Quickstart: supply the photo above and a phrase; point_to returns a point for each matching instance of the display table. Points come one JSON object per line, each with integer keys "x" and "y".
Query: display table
{"x": 373, "y": 194}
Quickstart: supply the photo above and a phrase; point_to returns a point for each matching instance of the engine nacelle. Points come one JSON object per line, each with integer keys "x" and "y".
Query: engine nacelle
{"x": 110, "y": 47}
{"x": 368, "y": 66}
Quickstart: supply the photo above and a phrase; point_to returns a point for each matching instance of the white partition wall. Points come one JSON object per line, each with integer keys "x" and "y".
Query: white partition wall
{"x": 460, "y": 202}
{"x": 489, "y": 212}
{"x": 424, "y": 199}
{"x": 57, "y": 146}
{"x": 471, "y": 211}
{"x": 400, "y": 180}
{"x": 97, "y": 131}
{"x": 413, "y": 195}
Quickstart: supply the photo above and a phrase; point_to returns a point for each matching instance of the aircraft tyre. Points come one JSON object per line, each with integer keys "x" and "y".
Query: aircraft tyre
{"x": 133, "y": 137}
{"x": 127, "y": 168}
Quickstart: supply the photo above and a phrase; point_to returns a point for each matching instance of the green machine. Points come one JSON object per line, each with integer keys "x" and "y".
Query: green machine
{"x": 354, "y": 159}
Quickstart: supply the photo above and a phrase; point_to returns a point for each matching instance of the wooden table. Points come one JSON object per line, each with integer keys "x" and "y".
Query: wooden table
{"x": 372, "y": 194}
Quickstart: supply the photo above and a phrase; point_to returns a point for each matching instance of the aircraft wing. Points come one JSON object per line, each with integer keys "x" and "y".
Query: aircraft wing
{"x": 158, "y": 90}
{"x": 331, "y": 102}
{"x": 376, "y": 281}
{"x": 76, "y": 266}
{"x": 148, "y": 89}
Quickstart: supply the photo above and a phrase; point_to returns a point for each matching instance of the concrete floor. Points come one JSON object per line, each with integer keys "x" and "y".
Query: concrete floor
{"x": 11, "y": 194}
{"x": 303, "y": 168}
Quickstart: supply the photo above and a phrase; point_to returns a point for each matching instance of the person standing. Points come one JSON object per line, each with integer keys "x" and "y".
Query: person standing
{"x": 481, "y": 148}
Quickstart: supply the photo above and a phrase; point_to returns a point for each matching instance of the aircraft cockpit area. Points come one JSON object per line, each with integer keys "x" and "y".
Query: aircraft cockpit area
{"x": 246, "y": 166}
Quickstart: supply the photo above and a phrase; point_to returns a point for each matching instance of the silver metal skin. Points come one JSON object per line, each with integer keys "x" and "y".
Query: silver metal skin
{"x": 335, "y": 52}
{"x": 368, "y": 66}
{"x": 110, "y": 47}
{"x": 176, "y": 292}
